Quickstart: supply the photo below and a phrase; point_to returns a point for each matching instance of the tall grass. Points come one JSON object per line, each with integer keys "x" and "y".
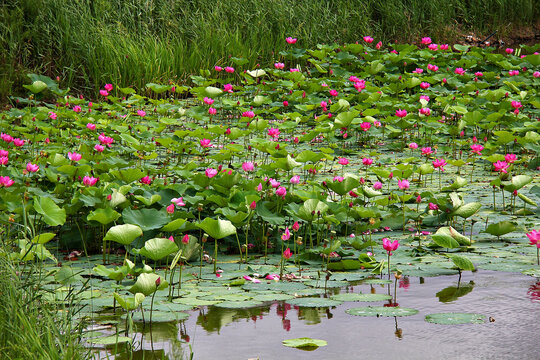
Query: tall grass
{"x": 31, "y": 328}
{"x": 132, "y": 42}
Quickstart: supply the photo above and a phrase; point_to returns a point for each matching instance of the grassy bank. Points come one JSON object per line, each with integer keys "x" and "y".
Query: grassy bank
{"x": 132, "y": 42}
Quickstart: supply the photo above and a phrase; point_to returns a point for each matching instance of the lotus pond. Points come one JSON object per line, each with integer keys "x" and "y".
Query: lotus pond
{"x": 343, "y": 193}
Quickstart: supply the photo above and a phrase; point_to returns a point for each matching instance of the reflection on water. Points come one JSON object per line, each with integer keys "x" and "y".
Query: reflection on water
{"x": 512, "y": 299}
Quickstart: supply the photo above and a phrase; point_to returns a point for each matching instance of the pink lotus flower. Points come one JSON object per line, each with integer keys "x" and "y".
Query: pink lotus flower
{"x": 286, "y": 235}
{"x": 185, "y": 239}
{"x": 418, "y": 71}
{"x": 212, "y": 111}
{"x": 424, "y": 97}
{"x": 229, "y": 69}
{"x": 103, "y": 93}
{"x": 377, "y": 185}
{"x": 425, "y": 111}
{"x": 18, "y": 142}
{"x": 108, "y": 87}
{"x": 338, "y": 178}
{"x": 509, "y": 50}
{"x": 228, "y": 88}
{"x": 426, "y": 40}
{"x": 501, "y": 166}
{"x": 146, "y": 180}
{"x": 89, "y": 180}
{"x": 368, "y": 39}
{"x": 296, "y": 226}
{"x": 77, "y": 109}
{"x": 536, "y": 74}
{"x": 324, "y": 104}
{"x": 444, "y": 47}
{"x": 273, "y": 132}
{"x": 379, "y": 45}
{"x": 367, "y": 161}
{"x": 91, "y": 126}
{"x": 365, "y": 126}
{"x": 513, "y": 72}
{"x": 478, "y": 74}
{"x": 413, "y": 146}
{"x": 287, "y": 253}
{"x": 253, "y": 205}
{"x": 274, "y": 183}
{"x": 4, "y": 152}
{"x": 4, "y": 160}
{"x": 534, "y": 238}
{"x": 211, "y": 172}
{"x": 401, "y": 113}
{"x": 248, "y": 166}
{"x": 281, "y": 191}
{"x": 295, "y": 179}
{"x": 218, "y": 68}
{"x": 425, "y": 85}
{"x": 516, "y": 104}
{"x": 477, "y": 149}
{"x": 249, "y": 114}
{"x": 52, "y": 115}
{"x": 259, "y": 187}
{"x": 285, "y": 103}
{"x": 294, "y": 70}
{"x": 510, "y": 158}
{"x": 5, "y": 181}
{"x": 32, "y": 167}
{"x": 427, "y": 151}
{"x": 74, "y": 156}
{"x": 170, "y": 209}
{"x": 390, "y": 246}
{"x": 360, "y": 85}
{"x": 279, "y": 65}
{"x": 205, "y": 143}
{"x": 178, "y": 202}
{"x": 439, "y": 163}
{"x": 274, "y": 277}
{"x": 99, "y": 148}
{"x": 105, "y": 140}
{"x": 418, "y": 199}
{"x": 353, "y": 79}
{"x": 432, "y": 67}
{"x": 459, "y": 71}
{"x": 290, "y": 40}
{"x": 7, "y": 138}
{"x": 403, "y": 184}
{"x": 333, "y": 92}
{"x": 141, "y": 113}
{"x": 343, "y": 161}
{"x": 208, "y": 101}
{"x": 433, "y": 47}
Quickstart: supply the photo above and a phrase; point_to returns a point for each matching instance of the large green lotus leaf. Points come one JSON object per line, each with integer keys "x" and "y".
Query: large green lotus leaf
{"x": 53, "y": 215}
{"x": 117, "y": 198}
{"x": 459, "y": 182}
{"x": 110, "y": 340}
{"x": 157, "y": 88}
{"x": 103, "y": 216}
{"x": 128, "y": 175}
{"x": 313, "y": 302}
{"x": 239, "y": 304}
{"x": 500, "y": 228}
{"x": 123, "y": 234}
{"x": 468, "y": 210}
{"x": 311, "y": 207}
{"x": 147, "y": 219}
{"x": 158, "y": 248}
{"x": 518, "y": 182}
{"x": 462, "y": 262}
{"x": 131, "y": 303}
{"x": 361, "y": 297}
{"x": 43, "y": 238}
{"x": 116, "y": 274}
{"x": 36, "y": 87}
{"x": 342, "y": 188}
{"x": 456, "y": 318}
{"x": 159, "y": 316}
{"x": 267, "y": 215}
{"x": 217, "y": 228}
{"x": 304, "y": 343}
{"x": 148, "y": 201}
{"x": 449, "y": 237}
{"x": 146, "y": 284}
{"x": 381, "y": 311}
{"x": 211, "y": 91}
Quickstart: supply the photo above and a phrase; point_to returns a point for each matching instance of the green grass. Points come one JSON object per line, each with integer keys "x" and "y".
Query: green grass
{"x": 29, "y": 327}
{"x": 132, "y": 42}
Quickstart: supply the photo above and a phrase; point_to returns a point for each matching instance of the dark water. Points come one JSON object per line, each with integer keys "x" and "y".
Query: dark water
{"x": 510, "y": 301}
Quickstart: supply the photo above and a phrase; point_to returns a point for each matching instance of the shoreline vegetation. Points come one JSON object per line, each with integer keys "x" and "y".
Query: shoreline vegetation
{"x": 132, "y": 43}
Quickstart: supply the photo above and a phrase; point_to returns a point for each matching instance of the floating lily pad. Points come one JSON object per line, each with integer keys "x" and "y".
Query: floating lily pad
{"x": 239, "y": 304}
{"x": 360, "y": 297}
{"x": 159, "y": 316}
{"x": 195, "y": 302}
{"x": 456, "y": 318}
{"x": 110, "y": 340}
{"x": 305, "y": 343}
{"x": 314, "y": 302}
{"x": 381, "y": 311}
{"x": 273, "y": 297}
{"x": 328, "y": 284}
